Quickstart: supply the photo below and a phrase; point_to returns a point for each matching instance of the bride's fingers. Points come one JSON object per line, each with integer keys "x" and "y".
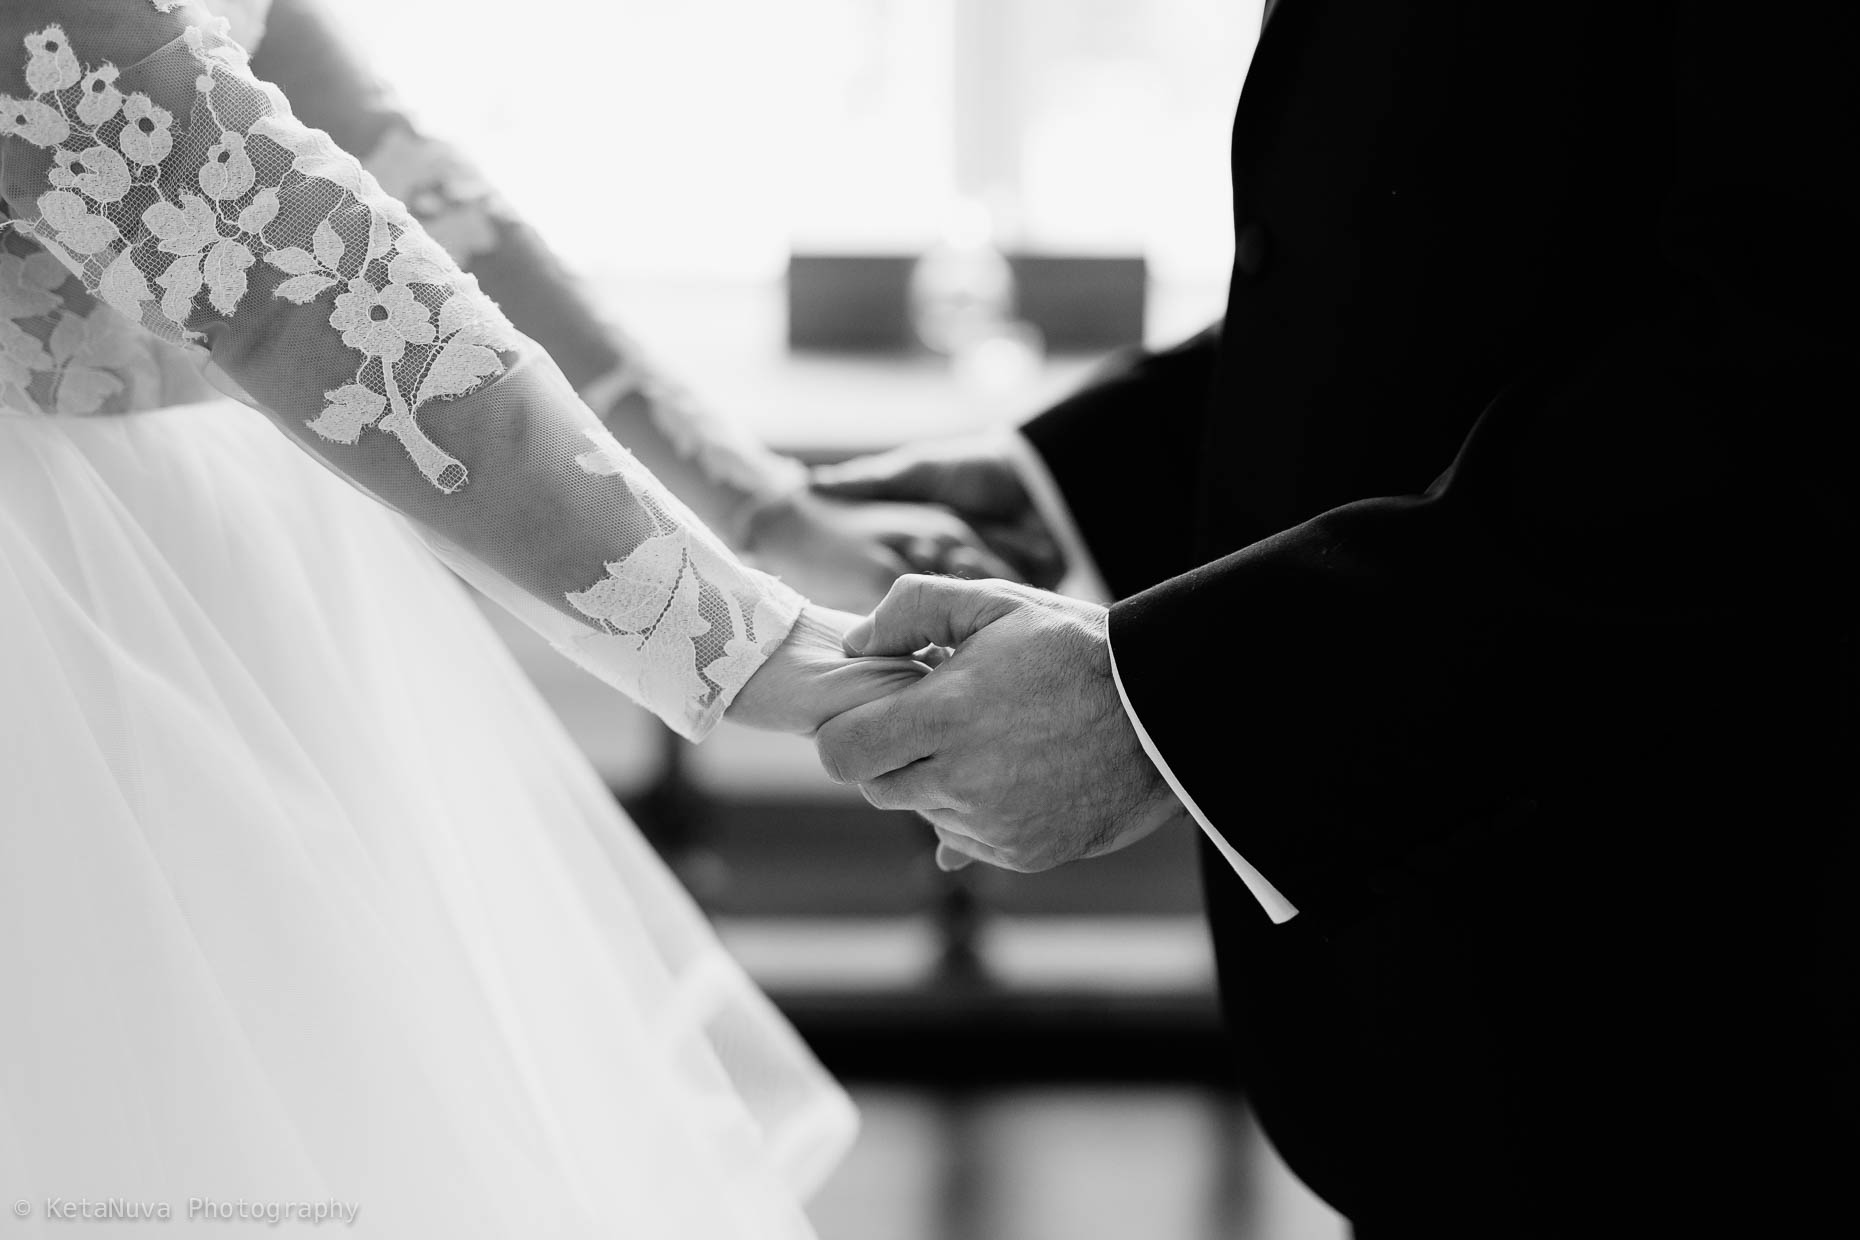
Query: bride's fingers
{"x": 895, "y": 475}
{"x": 923, "y": 553}
{"x": 960, "y": 552}
{"x": 858, "y": 682}
{"x": 956, "y": 552}
{"x": 962, "y": 560}
{"x": 1032, "y": 551}
{"x": 809, "y": 681}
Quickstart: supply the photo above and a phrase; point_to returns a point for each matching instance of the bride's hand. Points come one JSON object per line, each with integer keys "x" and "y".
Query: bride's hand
{"x": 810, "y": 678}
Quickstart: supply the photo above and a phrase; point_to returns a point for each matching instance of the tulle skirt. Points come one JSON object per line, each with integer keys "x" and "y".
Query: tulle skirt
{"x": 307, "y": 904}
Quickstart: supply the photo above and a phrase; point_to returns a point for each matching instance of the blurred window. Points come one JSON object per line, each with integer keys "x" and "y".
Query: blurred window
{"x": 707, "y": 137}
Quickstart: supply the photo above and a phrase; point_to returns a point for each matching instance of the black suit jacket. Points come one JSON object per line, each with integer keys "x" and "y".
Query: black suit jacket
{"x": 1487, "y": 577}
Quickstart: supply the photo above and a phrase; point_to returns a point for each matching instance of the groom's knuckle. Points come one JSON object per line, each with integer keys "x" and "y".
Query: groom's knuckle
{"x": 906, "y": 593}
{"x": 940, "y": 594}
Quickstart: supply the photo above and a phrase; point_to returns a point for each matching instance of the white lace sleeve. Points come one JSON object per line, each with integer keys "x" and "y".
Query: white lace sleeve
{"x": 708, "y": 460}
{"x": 141, "y": 152}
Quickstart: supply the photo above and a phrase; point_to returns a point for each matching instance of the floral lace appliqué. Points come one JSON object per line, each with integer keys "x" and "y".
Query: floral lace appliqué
{"x": 169, "y": 255}
{"x": 61, "y": 352}
{"x": 460, "y": 211}
{"x": 187, "y": 199}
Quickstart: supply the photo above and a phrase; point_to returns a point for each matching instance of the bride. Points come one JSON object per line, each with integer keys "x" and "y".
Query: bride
{"x": 309, "y": 906}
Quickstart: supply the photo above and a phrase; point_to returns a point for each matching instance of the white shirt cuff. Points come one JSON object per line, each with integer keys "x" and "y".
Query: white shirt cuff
{"x": 1082, "y": 580}
{"x": 1277, "y": 906}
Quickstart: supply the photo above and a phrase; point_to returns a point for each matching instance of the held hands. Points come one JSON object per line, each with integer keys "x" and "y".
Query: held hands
{"x": 809, "y": 679}
{"x": 1016, "y": 748}
{"x": 973, "y": 477}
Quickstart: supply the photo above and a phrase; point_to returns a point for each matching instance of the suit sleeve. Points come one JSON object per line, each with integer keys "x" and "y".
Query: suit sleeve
{"x": 1630, "y": 576}
{"x": 1129, "y": 504}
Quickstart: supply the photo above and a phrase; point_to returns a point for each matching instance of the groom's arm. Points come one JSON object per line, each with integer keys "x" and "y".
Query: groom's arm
{"x": 1119, "y": 458}
{"x": 1108, "y": 470}
{"x": 1111, "y": 470}
{"x": 1632, "y": 577}
{"x": 1634, "y": 566}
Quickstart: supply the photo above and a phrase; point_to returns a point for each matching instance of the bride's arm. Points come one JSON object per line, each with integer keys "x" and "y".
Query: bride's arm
{"x": 140, "y": 150}
{"x": 723, "y": 473}
{"x": 756, "y": 498}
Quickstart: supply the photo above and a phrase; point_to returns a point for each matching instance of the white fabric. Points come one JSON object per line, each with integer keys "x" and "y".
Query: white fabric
{"x": 309, "y": 902}
{"x": 181, "y": 191}
{"x": 307, "y": 897}
{"x": 1050, "y": 503}
{"x": 245, "y": 19}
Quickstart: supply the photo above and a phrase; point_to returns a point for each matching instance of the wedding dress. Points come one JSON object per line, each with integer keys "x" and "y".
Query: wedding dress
{"x": 304, "y": 896}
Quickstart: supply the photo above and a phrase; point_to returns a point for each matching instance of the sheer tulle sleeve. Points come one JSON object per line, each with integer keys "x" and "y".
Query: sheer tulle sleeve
{"x": 140, "y": 150}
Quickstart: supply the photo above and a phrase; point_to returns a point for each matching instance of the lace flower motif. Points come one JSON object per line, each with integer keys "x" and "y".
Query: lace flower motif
{"x": 154, "y": 241}
{"x": 186, "y": 229}
{"x": 147, "y": 135}
{"x": 62, "y": 353}
{"x": 96, "y": 356}
{"x": 97, "y": 172}
{"x": 51, "y": 65}
{"x": 160, "y": 211}
{"x": 101, "y": 100}
{"x": 78, "y": 229}
{"x": 38, "y": 123}
{"x": 228, "y": 172}
{"x": 381, "y": 322}
{"x": 28, "y": 287}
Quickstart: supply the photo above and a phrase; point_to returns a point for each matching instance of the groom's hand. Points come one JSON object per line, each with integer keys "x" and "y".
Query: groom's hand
{"x": 972, "y": 476}
{"x": 1016, "y": 748}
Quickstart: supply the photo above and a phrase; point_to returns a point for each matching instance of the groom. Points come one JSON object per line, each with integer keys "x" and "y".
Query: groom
{"x": 1486, "y": 603}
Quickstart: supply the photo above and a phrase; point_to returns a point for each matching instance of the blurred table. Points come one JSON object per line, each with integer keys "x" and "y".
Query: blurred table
{"x": 729, "y": 344}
